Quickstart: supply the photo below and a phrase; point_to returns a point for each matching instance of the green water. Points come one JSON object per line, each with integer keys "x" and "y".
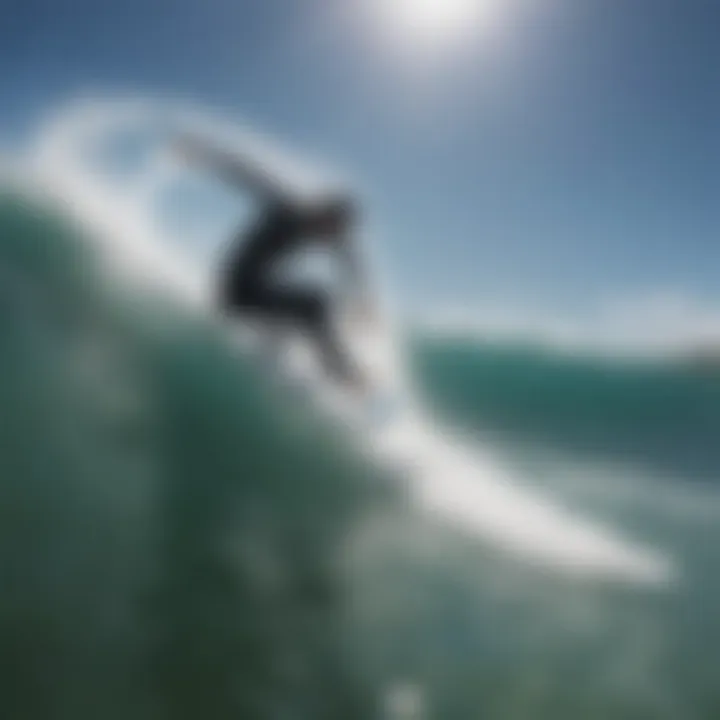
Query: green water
{"x": 660, "y": 414}
{"x": 180, "y": 538}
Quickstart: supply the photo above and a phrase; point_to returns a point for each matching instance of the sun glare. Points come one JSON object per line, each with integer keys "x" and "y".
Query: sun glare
{"x": 433, "y": 22}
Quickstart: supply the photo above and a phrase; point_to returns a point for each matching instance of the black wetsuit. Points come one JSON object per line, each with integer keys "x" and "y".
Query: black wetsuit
{"x": 250, "y": 285}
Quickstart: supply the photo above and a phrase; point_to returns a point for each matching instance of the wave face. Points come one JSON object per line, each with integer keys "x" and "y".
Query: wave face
{"x": 660, "y": 414}
{"x": 170, "y": 531}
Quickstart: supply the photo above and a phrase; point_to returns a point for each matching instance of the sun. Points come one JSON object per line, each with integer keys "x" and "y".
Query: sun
{"x": 432, "y": 23}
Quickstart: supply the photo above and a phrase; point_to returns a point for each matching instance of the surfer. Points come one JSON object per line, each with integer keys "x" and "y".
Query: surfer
{"x": 251, "y": 283}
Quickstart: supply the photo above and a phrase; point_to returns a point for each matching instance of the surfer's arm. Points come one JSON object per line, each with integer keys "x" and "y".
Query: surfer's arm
{"x": 234, "y": 170}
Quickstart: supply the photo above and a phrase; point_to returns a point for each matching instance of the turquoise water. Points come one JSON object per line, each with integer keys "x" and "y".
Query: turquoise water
{"x": 181, "y": 538}
{"x": 661, "y": 414}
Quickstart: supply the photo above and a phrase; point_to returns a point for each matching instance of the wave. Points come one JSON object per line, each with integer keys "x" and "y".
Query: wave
{"x": 150, "y": 480}
{"x": 656, "y": 325}
{"x": 168, "y": 511}
{"x": 664, "y": 415}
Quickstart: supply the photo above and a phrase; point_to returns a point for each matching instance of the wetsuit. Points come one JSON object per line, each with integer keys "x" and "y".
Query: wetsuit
{"x": 251, "y": 286}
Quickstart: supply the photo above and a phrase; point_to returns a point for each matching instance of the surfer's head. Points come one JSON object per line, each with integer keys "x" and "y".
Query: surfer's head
{"x": 332, "y": 216}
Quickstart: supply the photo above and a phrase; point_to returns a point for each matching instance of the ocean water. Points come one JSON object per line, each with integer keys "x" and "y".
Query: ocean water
{"x": 656, "y": 413}
{"x": 182, "y": 536}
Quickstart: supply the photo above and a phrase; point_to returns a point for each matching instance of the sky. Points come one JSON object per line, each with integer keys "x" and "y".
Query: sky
{"x": 540, "y": 152}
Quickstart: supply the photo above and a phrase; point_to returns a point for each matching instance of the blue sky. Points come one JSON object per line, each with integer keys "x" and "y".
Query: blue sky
{"x": 565, "y": 153}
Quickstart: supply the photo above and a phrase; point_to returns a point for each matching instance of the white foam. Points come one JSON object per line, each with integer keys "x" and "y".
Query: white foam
{"x": 655, "y": 324}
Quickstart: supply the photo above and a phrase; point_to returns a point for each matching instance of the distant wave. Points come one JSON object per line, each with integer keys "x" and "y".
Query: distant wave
{"x": 663, "y": 324}
{"x": 664, "y": 415}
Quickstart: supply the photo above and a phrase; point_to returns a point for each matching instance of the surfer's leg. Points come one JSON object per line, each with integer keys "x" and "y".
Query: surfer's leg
{"x": 307, "y": 310}
{"x": 336, "y": 360}
{"x": 311, "y": 312}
